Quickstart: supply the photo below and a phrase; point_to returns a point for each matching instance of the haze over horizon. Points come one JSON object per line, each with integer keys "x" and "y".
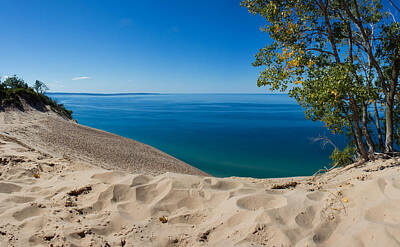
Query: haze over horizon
{"x": 132, "y": 46}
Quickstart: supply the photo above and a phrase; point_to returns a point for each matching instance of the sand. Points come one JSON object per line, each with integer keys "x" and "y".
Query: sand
{"x": 48, "y": 132}
{"x": 48, "y": 199}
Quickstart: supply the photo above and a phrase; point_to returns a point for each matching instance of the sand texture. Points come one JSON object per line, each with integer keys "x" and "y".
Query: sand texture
{"x": 52, "y": 200}
{"x": 47, "y": 131}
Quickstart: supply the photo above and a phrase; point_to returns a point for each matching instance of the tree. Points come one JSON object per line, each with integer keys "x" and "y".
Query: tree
{"x": 14, "y": 82}
{"x": 40, "y": 87}
{"x": 338, "y": 59}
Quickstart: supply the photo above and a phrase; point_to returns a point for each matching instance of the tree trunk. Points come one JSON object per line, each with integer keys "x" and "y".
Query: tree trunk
{"x": 390, "y": 102}
{"x": 358, "y": 132}
{"x": 378, "y": 128}
{"x": 355, "y": 139}
{"x": 363, "y": 151}
{"x": 389, "y": 122}
{"x": 368, "y": 139}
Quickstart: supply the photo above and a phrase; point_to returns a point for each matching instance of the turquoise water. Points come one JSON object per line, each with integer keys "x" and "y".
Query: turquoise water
{"x": 257, "y": 135}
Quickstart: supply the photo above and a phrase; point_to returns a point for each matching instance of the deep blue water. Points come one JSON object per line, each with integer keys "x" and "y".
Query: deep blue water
{"x": 257, "y": 135}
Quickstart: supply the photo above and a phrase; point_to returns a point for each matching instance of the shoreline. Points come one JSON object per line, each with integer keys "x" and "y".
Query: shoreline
{"x": 49, "y": 197}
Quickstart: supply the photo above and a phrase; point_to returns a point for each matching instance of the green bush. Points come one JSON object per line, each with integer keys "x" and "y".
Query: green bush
{"x": 343, "y": 158}
{"x": 14, "y": 89}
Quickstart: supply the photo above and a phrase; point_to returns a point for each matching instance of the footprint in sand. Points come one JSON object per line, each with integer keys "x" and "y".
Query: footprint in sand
{"x": 122, "y": 192}
{"x": 382, "y": 184}
{"x": 255, "y": 202}
{"x": 315, "y": 196}
{"x": 323, "y": 231}
{"x": 240, "y": 218}
{"x": 390, "y": 187}
{"x": 396, "y": 184}
{"x": 304, "y": 219}
{"x": 223, "y": 185}
{"x": 9, "y": 188}
{"x": 27, "y": 212}
{"x": 383, "y": 213}
{"x": 21, "y": 199}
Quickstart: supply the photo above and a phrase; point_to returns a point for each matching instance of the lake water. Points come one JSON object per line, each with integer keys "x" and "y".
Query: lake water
{"x": 257, "y": 135}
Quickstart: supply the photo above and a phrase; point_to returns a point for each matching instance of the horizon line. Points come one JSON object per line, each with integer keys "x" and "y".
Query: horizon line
{"x": 132, "y": 93}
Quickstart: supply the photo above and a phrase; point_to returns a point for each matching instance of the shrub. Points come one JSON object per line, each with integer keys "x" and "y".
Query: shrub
{"x": 343, "y": 158}
{"x": 14, "y": 89}
{"x": 14, "y": 82}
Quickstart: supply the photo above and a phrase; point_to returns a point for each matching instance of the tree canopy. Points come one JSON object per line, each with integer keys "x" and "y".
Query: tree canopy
{"x": 340, "y": 60}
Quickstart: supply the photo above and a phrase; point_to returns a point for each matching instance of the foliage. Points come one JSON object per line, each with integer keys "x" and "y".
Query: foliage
{"x": 14, "y": 89}
{"x": 40, "y": 87}
{"x": 343, "y": 158}
{"x": 14, "y": 82}
{"x": 339, "y": 59}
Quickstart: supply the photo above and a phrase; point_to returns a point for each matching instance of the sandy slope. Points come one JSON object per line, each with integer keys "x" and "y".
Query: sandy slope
{"x": 62, "y": 138}
{"x": 47, "y": 200}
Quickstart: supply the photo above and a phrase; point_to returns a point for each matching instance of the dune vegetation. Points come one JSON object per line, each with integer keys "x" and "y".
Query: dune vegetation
{"x": 14, "y": 92}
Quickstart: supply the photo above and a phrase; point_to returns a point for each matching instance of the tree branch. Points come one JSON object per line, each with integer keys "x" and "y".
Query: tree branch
{"x": 320, "y": 50}
{"x": 394, "y": 5}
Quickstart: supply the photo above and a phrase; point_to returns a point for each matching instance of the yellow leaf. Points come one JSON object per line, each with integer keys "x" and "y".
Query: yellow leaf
{"x": 310, "y": 63}
{"x": 345, "y": 200}
{"x": 36, "y": 175}
{"x": 164, "y": 219}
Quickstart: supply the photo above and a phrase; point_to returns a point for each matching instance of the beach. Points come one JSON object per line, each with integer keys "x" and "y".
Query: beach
{"x": 61, "y": 185}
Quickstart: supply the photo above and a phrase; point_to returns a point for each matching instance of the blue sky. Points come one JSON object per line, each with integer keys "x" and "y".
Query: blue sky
{"x": 132, "y": 46}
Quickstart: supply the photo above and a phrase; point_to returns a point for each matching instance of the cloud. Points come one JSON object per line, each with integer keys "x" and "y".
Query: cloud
{"x": 81, "y": 78}
{"x": 4, "y": 77}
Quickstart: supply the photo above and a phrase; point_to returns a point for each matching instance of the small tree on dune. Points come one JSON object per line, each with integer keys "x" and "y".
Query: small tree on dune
{"x": 40, "y": 87}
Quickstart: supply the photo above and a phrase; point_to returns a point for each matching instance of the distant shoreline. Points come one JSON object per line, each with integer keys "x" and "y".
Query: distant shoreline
{"x": 101, "y": 94}
{"x": 124, "y": 94}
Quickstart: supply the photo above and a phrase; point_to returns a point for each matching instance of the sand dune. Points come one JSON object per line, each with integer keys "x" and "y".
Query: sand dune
{"x": 48, "y": 200}
{"x": 48, "y": 132}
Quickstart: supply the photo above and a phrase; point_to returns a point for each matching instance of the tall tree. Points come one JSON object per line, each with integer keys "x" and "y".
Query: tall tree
{"x": 337, "y": 58}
